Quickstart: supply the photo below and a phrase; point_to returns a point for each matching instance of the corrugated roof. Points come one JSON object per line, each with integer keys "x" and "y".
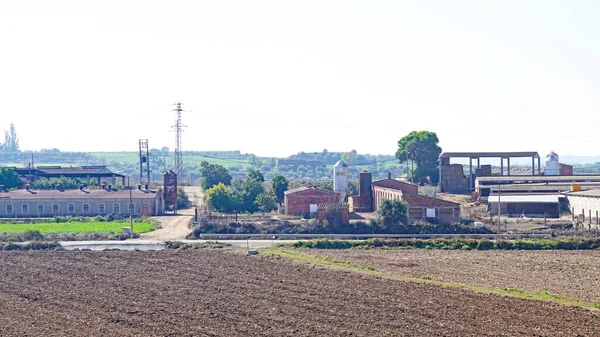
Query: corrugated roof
{"x": 423, "y": 201}
{"x": 527, "y": 199}
{"x": 393, "y": 184}
{"x": 489, "y": 154}
{"x": 574, "y": 179}
{"x": 306, "y": 188}
{"x": 77, "y": 194}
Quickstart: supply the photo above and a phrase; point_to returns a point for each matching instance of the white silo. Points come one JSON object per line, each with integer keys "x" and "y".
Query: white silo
{"x": 552, "y": 165}
{"x": 340, "y": 179}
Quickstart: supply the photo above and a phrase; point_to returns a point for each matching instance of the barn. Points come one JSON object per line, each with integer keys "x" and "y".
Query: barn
{"x": 304, "y": 201}
{"x": 27, "y": 203}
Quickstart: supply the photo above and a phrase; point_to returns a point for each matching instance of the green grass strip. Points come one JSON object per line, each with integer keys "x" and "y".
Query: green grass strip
{"x": 113, "y": 227}
{"x": 511, "y": 292}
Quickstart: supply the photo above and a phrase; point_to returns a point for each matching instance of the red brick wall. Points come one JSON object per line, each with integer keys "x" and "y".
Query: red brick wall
{"x": 299, "y": 203}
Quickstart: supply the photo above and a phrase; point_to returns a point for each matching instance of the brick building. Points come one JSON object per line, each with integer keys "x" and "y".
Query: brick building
{"x": 304, "y": 200}
{"x": 430, "y": 209}
{"x": 391, "y": 189}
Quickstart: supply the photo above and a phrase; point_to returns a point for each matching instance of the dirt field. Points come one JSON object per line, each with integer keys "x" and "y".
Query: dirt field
{"x": 217, "y": 293}
{"x": 574, "y": 274}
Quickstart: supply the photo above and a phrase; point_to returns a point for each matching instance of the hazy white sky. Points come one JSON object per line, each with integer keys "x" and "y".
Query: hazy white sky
{"x": 278, "y": 77}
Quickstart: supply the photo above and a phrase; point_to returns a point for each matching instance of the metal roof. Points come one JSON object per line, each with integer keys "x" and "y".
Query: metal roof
{"x": 590, "y": 193}
{"x": 574, "y": 179}
{"x": 527, "y": 199}
{"x": 489, "y": 154}
{"x": 77, "y": 194}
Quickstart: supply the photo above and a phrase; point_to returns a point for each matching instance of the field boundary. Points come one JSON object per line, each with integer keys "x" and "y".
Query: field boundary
{"x": 510, "y": 292}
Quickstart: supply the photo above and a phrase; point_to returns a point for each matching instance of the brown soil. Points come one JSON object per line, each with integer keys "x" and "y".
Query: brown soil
{"x": 220, "y": 293}
{"x": 574, "y": 274}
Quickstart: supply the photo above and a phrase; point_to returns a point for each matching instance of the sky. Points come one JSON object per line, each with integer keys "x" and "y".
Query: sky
{"x": 275, "y": 78}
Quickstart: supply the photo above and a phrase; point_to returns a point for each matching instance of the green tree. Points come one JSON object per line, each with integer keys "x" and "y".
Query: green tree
{"x": 9, "y": 178}
{"x": 349, "y": 157}
{"x": 256, "y": 175}
{"x": 391, "y": 214}
{"x": 421, "y": 148}
{"x": 280, "y": 185}
{"x": 213, "y": 174}
{"x": 61, "y": 183}
{"x": 250, "y": 190}
{"x": 221, "y": 198}
{"x": 183, "y": 200}
{"x": 265, "y": 202}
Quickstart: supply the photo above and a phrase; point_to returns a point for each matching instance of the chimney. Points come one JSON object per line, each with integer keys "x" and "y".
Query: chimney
{"x": 389, "y": 175}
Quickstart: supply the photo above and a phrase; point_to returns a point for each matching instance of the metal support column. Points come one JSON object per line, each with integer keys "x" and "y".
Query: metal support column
{"x": 508, "y": 166}
{"x": 470, "y": 174}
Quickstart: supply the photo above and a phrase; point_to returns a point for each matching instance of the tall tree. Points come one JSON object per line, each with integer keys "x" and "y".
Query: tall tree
{"x": 280, "y": 185}
{"x": 213, "y": 174}
{"x": 9, "y": 178}
{"x": 391, "y": 214}
{"x": 256, "y": 175}
{"x": 421, "y": 148}
{"x": 11, "y": 140}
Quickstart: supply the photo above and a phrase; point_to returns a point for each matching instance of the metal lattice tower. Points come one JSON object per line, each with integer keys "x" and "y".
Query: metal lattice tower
{"x": 178, "y": 165}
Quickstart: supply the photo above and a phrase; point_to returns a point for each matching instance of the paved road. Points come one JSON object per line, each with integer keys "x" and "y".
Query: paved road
{"x": 158, "y": 245}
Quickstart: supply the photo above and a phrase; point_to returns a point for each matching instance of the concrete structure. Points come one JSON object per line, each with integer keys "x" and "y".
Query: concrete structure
{"x": 450, "y": 171}
{"x": 81, "y": 202}
{"x": 585, "y": 206}
{"x": 551, "y": 165}
{"x": 304, "y": 201}
{"x": 333, "y": 212}
{"x": 85, "y": 173}
{"x": 528, "y": 205}
{"x": 340, "y": 179}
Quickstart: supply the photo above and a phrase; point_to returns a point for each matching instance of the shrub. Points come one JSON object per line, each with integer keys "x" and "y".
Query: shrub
{"x": 485, "y": 244}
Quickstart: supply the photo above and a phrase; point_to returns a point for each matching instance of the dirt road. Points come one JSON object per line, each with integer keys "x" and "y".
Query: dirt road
{"x": 175, "y": 227}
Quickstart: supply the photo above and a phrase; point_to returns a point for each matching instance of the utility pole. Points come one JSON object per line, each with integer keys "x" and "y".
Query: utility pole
{"x": 178, "y": 165}
{"x": 144, "y": 159}
{"x": 499, "y": 209}
{"x": 129, "y": 206}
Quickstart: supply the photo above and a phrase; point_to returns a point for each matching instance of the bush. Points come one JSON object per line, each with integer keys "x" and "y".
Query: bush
{"x": 485, "y": 244}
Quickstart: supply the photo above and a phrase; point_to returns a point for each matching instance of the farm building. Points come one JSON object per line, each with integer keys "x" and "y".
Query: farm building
{"x": 28, "y": 203}
{"x": 430, "y": 209}
{"x": 304, "y": 200}
{"x": 371, "y": 194}
{"x": 585, "y": 205}
{"x": 530, "y": 205}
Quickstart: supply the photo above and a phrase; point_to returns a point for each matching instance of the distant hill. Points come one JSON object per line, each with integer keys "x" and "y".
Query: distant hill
{"x": 567, "y": 159}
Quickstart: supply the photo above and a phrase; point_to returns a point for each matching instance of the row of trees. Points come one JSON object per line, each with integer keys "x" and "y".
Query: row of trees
{"x": 249, "y": 194}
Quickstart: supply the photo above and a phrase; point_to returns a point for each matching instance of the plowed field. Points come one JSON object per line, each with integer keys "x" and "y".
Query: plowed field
{"x": 574, "y": 274}
{"x": 222, "y": 293}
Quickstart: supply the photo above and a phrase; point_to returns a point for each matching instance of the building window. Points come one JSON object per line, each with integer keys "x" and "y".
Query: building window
{"x": 86, "y": 208}
{"x": 116, "y": 208}
{"x": 132, "y": 208}
{"x": 9, "y": 209}
{"x": 71, "y": 208}
{"x": 25, "y": 208}
{"x": 55, "y": 209}
{"x": 40, "y": 208}
{"x": 101, "y": 209}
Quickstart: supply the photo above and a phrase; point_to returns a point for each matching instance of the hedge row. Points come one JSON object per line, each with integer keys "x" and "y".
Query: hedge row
{"x": 464, "y": 244}
{"x": 34, "y": 245}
